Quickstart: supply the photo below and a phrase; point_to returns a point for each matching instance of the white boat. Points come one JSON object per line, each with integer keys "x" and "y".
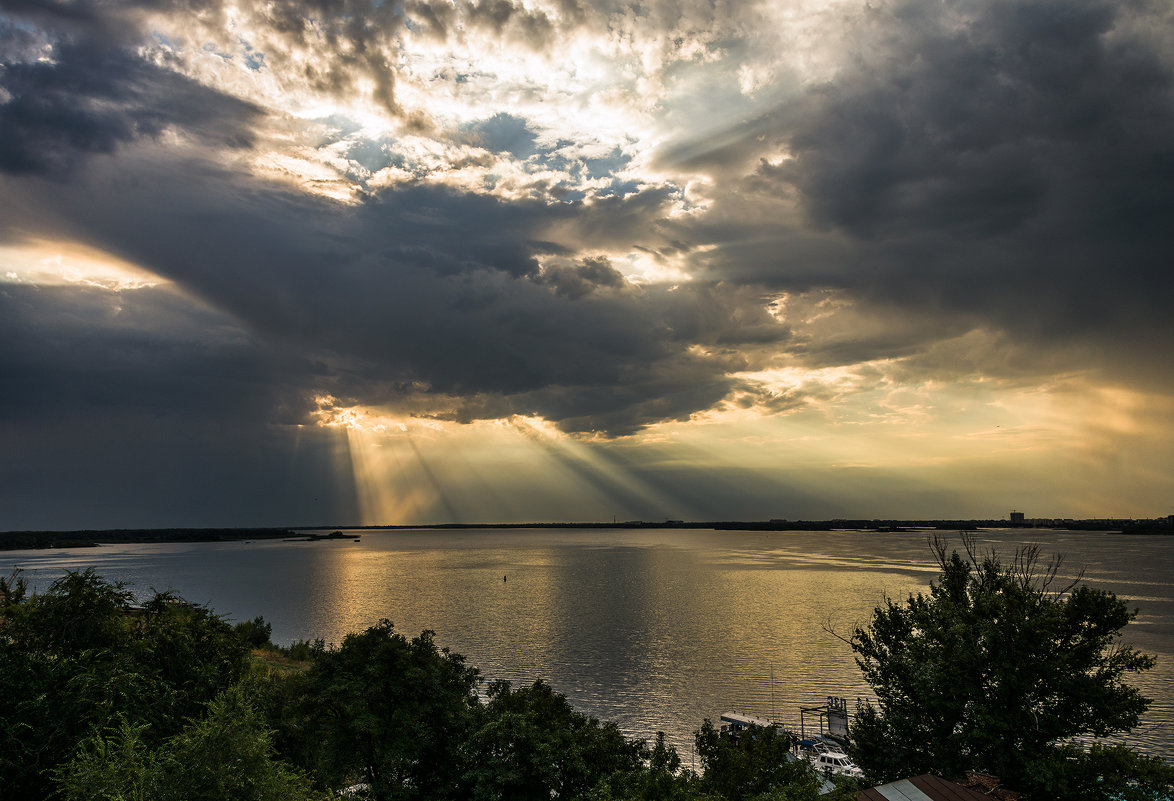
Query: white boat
{"x": 832, "y": 762}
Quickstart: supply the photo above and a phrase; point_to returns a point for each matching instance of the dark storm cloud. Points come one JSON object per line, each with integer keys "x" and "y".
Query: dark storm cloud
{"x": 578, "y": 279}
{"x": 121, "y": 468}
{"x": 347, "y": 40}
{"x": 979, "y": 129}
{"x": 418, "y": 288}
{"x": 1011, "y": 164}
{"x": 331, "y": 46}
{"x": 69, "y": 349}
{"x": 639, "y": 396}
{"x": 994, "y": 165}
{"x": 60, "y": 15}
{"x": 141, "y": 408}
{"x": 89, "y": 99}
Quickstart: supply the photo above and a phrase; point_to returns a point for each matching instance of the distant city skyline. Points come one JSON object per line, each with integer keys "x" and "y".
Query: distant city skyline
{"x": 546, "y": 260}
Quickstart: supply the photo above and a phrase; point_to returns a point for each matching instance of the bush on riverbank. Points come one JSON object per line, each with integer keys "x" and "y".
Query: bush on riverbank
{"x": 102, "y": 699}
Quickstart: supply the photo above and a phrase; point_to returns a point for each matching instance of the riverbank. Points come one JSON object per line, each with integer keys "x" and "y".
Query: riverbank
{"x": 32, "y": 540}
{"x": 36, "y": 540}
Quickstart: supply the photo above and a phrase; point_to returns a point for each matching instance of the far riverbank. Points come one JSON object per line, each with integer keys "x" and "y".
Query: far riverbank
{"x": 35, "y": 540}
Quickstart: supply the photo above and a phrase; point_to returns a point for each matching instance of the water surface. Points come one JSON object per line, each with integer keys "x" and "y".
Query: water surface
{"x": 654, "y": 629}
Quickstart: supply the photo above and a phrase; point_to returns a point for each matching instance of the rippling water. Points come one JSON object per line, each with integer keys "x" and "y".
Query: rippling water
{"x": 653, "y": 629}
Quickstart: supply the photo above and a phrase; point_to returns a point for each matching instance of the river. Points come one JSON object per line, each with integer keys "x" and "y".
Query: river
{"x": 654, "y": 629}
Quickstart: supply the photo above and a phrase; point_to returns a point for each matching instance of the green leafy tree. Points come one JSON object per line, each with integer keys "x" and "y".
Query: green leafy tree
{"x": 226, "y": 754}
{"x": 63, "y": 667}
{"x": 255, "y": 632}
{"x": 997, "y": 669}
{"x": 1112, "y": 771}
{"x": 661, "y": 779}
{"x": 190, "y": 652}
{"x": 757, "y": 764}
{"x": 533, "y": 746}
{"x": 389, "y": 712}
{"x": 112, "y": 766}
{"x": 75, "y": 660}
{"x": 80, "y": 612}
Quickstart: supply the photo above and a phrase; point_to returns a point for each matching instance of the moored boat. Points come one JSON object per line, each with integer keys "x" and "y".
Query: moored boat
{"x": 829, "y": 762}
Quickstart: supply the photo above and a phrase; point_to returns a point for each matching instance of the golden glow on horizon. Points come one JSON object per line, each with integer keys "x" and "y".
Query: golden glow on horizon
{"x": 992, "y": 440}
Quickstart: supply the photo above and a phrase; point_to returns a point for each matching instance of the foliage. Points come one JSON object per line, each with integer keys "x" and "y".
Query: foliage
{"x": 661, "y": 779}
{"x": 533, "y": 746}
{"x": 303, "y": 650}
{"x": 993, "y": 670}
{"x": 997, "y": 670}
{"x": 75, "y": 660}
{"x": 226, "y": 754}
{"x": 79, "y": 613}
{"x": 255, "y": 632}
{"x": 106, "y": 700}
{"x": 389, "y": 712}
{"x": 758, "y": 764}
{"x": 115, "y": 766}
{"x": 1105, "y": 771}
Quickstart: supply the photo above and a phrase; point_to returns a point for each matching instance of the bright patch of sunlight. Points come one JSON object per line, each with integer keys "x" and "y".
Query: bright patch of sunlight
{"x": 43, "y": 263}
{"x": 520, "y": 469}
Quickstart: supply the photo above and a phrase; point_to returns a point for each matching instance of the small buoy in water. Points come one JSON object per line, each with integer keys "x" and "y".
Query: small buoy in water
{"x": 503, "y": 578}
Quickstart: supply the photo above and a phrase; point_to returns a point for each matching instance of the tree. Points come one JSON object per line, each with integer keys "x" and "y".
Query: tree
{"x": 74, "y": 660}
{"x": 756, "y": 766}
{"x": 661, "y": 779}
{"x": 998, "y": 669}
{"x": 533, "y": 746}
{"x": 228, "y": 753}
{"x": 255, "y": 632}
{"x": 389, "y": 712}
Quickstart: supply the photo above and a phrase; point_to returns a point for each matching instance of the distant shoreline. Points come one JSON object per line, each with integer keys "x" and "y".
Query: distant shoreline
{"x": 36, "y": 540}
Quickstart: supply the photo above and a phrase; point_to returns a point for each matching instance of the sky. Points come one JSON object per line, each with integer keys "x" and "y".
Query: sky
{"x": 303, "y": 262}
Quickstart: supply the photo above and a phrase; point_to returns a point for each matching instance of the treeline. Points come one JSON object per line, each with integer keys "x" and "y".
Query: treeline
{"x": 26, "y": 540}
{"x": 103, "y": 699}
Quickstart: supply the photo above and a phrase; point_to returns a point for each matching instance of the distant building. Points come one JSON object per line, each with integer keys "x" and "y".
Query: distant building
{"x": 1017, "y": 519}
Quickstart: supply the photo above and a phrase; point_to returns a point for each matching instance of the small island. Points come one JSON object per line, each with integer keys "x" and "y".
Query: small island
{"x": 334, "y": 535}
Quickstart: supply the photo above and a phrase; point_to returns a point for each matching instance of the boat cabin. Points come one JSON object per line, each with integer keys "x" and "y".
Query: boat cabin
{"x": 834, "y": 762}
